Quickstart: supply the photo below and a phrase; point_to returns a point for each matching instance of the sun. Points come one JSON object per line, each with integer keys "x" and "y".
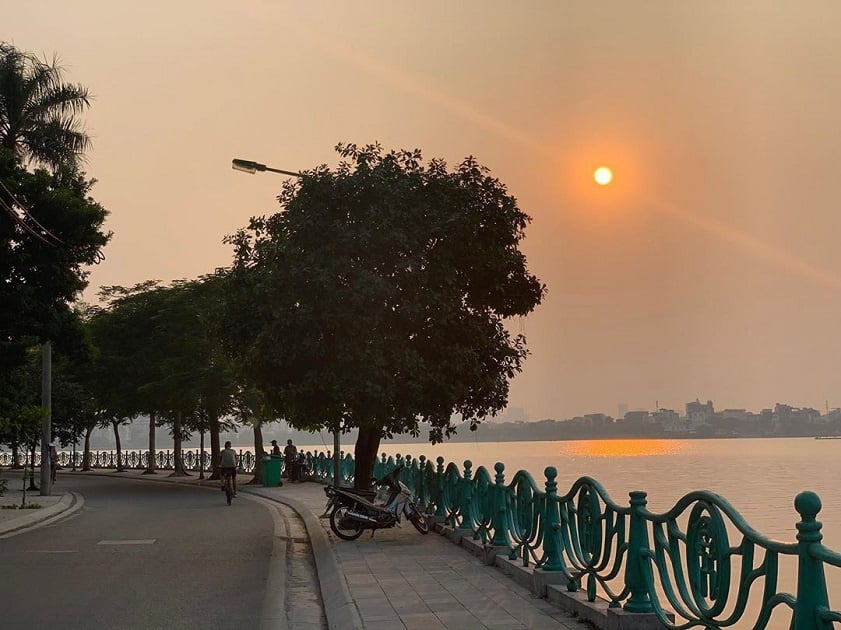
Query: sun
{"x": 603, "y": 176}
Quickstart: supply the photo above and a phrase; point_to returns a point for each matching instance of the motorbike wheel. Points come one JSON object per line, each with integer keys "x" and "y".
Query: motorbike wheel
{"x": 419, "y": 521}
{"x": 343, "y": 527}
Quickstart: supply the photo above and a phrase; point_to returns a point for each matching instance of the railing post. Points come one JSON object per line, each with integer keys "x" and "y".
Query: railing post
{"x": 551, "y": 517}
{"x": 421, "y": 491}
{"x": 640, "y": 600}
{"x": 466, "y": 496}
{"x": 811, "y": 581}
{"x": 500, "y": 517}
{"x": 440, "y": 509}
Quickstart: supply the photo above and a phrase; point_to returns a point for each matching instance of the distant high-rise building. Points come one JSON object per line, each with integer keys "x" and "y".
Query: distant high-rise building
{"x": 622, "y": 409}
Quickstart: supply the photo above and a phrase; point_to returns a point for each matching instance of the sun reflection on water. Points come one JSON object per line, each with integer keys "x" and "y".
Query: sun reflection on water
{"x": 624, "y": 448}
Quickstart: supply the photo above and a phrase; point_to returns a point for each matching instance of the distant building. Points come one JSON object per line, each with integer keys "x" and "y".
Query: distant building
{"x": 637, "y": 418}
{"x": 699, "y": 411}
{"x": 597, "y": 420}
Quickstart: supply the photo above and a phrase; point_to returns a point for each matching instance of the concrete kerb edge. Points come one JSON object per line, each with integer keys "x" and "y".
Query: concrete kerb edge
{"x": 69, "y": 504}
{"x": 339, "y": 607}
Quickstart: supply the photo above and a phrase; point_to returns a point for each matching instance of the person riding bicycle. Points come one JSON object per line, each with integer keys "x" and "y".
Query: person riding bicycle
{"x": 228, "y": 466}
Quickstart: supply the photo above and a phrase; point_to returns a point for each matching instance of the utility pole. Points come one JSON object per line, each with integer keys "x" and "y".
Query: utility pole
{"x": 46, "y": 422}
{"x": 336, "y": 463}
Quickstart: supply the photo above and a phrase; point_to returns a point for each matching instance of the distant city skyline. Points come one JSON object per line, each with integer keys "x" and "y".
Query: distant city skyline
{"x": 135, "y": 434}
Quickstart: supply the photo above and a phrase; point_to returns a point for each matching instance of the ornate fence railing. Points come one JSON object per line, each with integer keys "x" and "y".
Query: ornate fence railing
{"x": 133, "y": 459}
{"x": 681, "y": 560}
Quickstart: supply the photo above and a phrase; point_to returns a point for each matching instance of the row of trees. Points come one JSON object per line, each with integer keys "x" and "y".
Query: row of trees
{"x": 51, "y": 230}
{"x": 376, "y": 299}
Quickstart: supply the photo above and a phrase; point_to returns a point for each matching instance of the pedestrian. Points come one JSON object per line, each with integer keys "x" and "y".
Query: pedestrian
{"x": 275, "y": 449}
{"x": 53, "y": 462}
{"x": 290, "y": 453}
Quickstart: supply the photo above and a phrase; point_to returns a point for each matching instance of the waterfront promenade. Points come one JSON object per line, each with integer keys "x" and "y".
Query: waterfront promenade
{"x": 397, "y": 579}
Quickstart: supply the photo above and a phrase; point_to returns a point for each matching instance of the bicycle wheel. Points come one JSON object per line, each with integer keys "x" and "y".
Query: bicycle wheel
{"x": 345, "y": 528}
{"x": 229, "y": 489}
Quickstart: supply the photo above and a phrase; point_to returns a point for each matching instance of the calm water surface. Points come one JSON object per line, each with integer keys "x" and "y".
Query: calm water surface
{"x": 759, "y": 477}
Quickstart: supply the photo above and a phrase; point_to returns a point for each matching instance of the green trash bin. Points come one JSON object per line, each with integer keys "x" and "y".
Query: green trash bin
{"x": 271, "y": 472}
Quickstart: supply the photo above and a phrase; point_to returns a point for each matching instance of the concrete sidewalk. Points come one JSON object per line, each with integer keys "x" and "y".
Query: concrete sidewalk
{"x": 401, "y": 579}
{"x": 395, "y": 579}
{"x": 40, "y": 510}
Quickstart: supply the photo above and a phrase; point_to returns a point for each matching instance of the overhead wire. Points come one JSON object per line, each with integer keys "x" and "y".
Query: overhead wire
{"x": 10, "y": 209}
{"x": 19, "y": 221}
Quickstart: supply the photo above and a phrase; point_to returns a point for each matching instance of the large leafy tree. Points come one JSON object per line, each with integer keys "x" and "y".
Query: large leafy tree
{"x": 377, "y": 297}
{"x": 50, "y": 227}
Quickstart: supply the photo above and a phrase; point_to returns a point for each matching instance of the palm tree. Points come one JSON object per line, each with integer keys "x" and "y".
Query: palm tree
{"x": 39, "y": 112}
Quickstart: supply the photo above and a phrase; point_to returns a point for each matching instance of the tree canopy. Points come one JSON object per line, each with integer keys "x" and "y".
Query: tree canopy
{"x": 377, "y": 296}
{"x": 51, "y": 229}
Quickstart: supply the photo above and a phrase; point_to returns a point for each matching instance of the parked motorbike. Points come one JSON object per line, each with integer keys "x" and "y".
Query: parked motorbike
{"x": 352, "y": 512}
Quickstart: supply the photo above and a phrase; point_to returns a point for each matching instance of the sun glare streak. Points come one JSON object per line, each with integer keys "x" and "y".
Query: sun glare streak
{"x": 413, "y": 85}
{"x": 758, "y": 249}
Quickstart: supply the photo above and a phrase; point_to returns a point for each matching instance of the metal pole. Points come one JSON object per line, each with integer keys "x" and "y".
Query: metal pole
{"x": 336, "y": 465}
{"x": 46, "y": 422}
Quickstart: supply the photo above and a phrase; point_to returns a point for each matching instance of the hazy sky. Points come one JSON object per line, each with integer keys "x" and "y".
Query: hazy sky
{"x": 710, "y": 269}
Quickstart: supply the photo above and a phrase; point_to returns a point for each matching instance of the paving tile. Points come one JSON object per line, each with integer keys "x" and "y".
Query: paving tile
{"x": 445, "y": 606}
{"x": 425, "y": 621}
{"x": 418, "y": 607}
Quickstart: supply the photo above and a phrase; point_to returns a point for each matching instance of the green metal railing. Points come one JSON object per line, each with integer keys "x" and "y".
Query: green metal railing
{"x": 681, "y": 560}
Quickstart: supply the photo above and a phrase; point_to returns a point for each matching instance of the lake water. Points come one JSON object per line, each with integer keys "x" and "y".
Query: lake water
{"x": 759, "y": 477}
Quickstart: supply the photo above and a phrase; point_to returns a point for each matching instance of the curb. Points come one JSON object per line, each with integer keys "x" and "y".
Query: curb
{"x": 70, "y": 503}
{"x": 339, "y": 607}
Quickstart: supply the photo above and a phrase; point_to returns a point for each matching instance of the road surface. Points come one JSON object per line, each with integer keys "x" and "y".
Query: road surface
{"x": 140, "y": 555}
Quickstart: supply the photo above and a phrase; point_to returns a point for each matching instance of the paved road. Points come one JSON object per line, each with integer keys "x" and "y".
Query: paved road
{"x": 140, "y": 555}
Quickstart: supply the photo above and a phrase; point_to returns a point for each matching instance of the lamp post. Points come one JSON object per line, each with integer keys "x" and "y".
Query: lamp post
{"x": 251, "y": 167}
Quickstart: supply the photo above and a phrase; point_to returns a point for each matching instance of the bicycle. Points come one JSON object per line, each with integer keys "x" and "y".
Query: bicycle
{"x": 229, "y": 486}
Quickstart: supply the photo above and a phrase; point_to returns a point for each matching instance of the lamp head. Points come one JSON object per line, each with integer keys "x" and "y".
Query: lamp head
{"x": 247, "y": 166}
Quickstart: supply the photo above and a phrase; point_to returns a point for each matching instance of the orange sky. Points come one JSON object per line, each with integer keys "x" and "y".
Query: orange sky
{"x": 710, "y": 268}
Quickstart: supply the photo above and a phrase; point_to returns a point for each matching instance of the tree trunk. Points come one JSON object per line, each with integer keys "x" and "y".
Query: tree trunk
{"x": 116, "y": 426}
{"x": 178, "y": 460}
{"x": 16, "y": 456}
{"x": 214, "y": 448}
{"x": 259, "y": 453}
{"x": 365, "y": 454}
{"x": 151, "y": 465}
{"x": 201, "y": 454}
{"x": 86, "y": 453}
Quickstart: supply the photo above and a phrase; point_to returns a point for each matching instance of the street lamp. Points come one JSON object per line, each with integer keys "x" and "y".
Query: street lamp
{"x": 247, "y": 166}
{"x": 251, "y": 167}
